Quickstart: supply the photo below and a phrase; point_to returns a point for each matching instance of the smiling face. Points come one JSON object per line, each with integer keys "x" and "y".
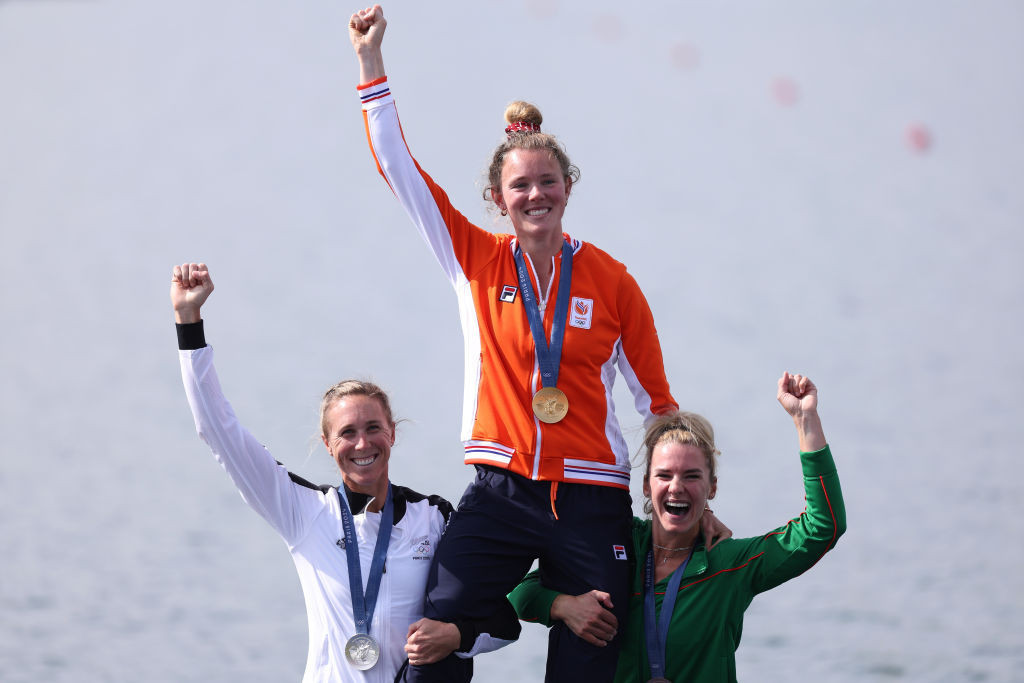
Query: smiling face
{"x": 534, "y": 192}
{"x": 679, "y": 485}
{"x": 359, "y": 436}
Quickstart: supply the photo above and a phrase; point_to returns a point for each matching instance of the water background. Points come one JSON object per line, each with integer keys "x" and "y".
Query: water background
{"x": 750, "y": 162}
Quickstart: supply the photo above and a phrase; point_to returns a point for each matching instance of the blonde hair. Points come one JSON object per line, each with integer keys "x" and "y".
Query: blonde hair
{"x": 524, "y": 112}
{"x": 685, "y": 428}
{"x": 353, "y": 387}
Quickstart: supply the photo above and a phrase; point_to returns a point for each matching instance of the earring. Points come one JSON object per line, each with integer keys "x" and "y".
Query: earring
{"x": 504, "y": 212}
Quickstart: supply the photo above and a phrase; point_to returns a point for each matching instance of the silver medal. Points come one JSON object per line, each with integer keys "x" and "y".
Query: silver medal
{"x": 362, "y": 651}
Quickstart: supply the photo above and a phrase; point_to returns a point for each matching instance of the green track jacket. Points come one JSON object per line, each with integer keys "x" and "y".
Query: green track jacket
{"x": 717, "y": 586}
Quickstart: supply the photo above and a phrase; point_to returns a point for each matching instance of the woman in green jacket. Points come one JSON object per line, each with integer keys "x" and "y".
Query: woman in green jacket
{"x": 687, "y": 604}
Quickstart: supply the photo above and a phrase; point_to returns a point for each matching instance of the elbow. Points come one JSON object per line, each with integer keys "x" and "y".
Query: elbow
{"x": 203, "y": 433}
{"x": 840, "y": 524}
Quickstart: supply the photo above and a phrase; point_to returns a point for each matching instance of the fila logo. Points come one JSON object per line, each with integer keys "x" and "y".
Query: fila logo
{"x": 508, "y": 294}
{"x": 581, "y": 313}
{"x": 620, "y": 552}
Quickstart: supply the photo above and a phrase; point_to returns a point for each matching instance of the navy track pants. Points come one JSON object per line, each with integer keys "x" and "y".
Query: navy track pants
{"x": 503, "y": 523}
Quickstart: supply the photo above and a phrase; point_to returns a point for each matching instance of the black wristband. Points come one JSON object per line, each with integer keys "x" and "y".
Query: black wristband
{"x": 190, "y": 336}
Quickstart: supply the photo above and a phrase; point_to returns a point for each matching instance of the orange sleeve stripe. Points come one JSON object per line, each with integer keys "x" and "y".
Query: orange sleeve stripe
{"x": 376, "y": 81}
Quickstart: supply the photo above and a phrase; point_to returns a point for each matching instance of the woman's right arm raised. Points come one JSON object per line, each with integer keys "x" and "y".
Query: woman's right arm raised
{"x": 366, "y": 31}
{"x": 442, "y": 227}
{"x": 263, "y": 483}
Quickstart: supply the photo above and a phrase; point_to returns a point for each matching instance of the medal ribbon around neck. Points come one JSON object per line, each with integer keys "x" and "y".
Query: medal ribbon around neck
{"x": 656, "y": 633}
{"x": 548, "y": 358}
{"x": 363, "y": 604}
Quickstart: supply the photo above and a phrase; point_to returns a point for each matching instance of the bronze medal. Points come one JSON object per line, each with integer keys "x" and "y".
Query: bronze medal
{"x": 550, "y": 405}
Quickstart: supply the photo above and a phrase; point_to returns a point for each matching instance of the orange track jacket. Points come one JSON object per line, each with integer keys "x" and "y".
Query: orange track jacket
{"x": 610, "y": 324}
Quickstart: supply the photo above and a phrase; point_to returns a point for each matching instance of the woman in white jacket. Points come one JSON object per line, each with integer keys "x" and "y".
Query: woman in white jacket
{"x": 332, "y": 532}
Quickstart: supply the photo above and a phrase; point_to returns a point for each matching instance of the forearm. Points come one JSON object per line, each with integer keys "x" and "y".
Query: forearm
{"x": 797, "y": 546}
{"x": 533, "y": 601}
{"x": 371, "y": 64}
{"x": 816, "y": 531}
{"x": 809, "y": 431}
{"x": 641, "y": 361}
{"x": 447, "y": 233}
{"x": 186, "y": 315}
{"x": 486, "y": 635}
{"x": 262, "y": 482}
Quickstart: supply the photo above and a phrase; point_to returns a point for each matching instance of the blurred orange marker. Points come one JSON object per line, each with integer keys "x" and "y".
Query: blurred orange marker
{"x": 685, "y": 56}
{"x": 919, "y": 138}
{"x": 785, "y": 91}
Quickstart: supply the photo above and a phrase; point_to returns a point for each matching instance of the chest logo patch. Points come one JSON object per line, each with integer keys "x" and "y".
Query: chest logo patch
{"x": 422, "y": 549}
{"x": 620, "y": 552}
{"x": 581, "y": 313}
{"x": 508, "y": 294}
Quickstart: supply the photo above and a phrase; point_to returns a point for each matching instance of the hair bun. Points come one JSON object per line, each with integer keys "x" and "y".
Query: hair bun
{"x": 523, "y": 112}
{"x": 522, "y": 118}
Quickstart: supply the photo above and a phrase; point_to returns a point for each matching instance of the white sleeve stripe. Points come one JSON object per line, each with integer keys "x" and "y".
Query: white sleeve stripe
{"x": 407, "y": 182}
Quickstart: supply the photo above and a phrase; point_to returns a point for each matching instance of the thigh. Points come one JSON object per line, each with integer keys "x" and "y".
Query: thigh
{"x": 591, "y": 549}
{"x": 488, "y": 547}
{"x": 490, "y": 543}
{"x": 591, "y": 544}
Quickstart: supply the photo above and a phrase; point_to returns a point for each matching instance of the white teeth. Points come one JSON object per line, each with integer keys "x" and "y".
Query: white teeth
{"x": 677, "y": 508}
{"x": 537, "y": 212}
{"x": 363, "y": 462}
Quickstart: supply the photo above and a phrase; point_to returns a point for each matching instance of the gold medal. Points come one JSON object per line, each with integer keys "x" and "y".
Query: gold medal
{"x": 362, "y": 651}
{"x": 550, "y": 405}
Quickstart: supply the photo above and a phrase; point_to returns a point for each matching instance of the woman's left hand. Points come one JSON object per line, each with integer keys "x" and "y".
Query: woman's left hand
{"x": 799, "y": 396}
{"x": 430, "y": 641}
{"x": 714, "y": 531}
